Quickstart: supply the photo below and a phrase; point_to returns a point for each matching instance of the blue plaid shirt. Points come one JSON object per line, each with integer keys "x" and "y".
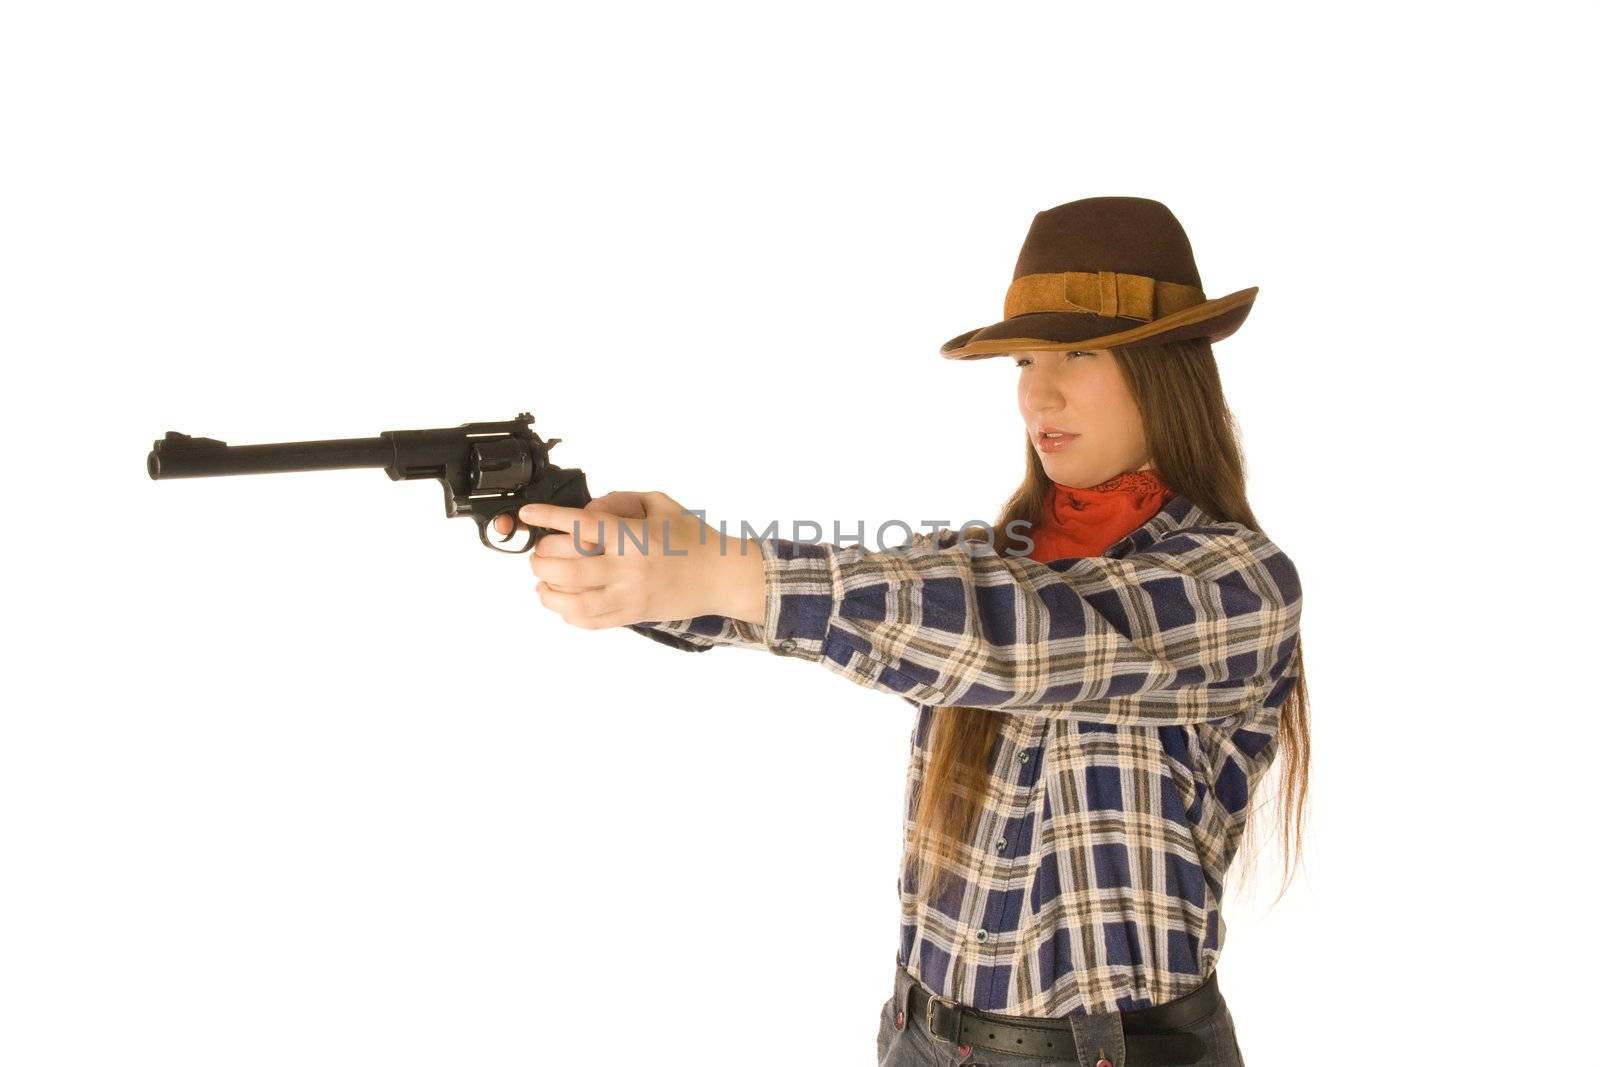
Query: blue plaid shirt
{"x": 1142, "y": 687}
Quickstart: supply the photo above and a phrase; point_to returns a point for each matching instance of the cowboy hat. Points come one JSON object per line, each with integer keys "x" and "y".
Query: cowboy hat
{"x": 1099, "y": 272}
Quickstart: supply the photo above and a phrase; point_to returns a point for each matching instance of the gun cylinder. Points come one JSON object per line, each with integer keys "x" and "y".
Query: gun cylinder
{"x": 183, "y": 457}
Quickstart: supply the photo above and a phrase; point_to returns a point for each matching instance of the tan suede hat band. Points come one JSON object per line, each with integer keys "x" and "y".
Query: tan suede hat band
{"x": 1104, "y": 292}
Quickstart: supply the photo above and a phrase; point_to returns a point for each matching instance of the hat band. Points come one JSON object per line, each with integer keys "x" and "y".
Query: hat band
{"x": 1105, "y": 292}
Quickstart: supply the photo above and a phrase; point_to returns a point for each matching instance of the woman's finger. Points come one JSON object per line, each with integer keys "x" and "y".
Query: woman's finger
{"x": 560, "y": 546}
{"x": 584, "y": 607}
{"x": 557, "y": 544}
{"x": 593, "y": 572}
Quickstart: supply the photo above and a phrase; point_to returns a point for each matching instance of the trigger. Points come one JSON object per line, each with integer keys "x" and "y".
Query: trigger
{"x": 509, "y": 533}
{"x": 487, "y": 525}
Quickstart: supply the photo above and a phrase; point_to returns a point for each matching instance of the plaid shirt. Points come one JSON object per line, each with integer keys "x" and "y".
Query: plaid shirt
{"x": 1142, "y": 687}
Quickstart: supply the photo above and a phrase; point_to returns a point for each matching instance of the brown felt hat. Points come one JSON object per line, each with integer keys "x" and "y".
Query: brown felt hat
{"x": 1099, "y": 272}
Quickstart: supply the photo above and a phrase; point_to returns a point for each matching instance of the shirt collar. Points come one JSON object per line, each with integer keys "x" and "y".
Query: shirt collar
{"x": 1176, "y": 514}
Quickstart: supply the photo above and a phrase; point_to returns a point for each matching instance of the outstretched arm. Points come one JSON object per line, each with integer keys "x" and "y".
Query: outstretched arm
{"x": 1200, "y": 626}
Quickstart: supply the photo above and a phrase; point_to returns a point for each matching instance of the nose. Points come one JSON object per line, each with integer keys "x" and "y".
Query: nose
{"x": 1040, "y": 397}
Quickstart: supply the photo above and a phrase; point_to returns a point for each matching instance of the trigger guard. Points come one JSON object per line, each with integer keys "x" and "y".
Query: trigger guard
{"x": 488, "y": 524}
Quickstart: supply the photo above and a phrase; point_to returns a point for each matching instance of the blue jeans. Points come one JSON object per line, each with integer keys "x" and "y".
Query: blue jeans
{"x": 913, "y": 1046}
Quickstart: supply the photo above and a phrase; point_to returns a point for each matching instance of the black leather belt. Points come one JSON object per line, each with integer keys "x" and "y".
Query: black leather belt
{"x": 1148, "y": 1038}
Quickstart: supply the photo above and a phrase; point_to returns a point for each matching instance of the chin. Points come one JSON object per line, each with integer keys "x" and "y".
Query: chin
{"x": 1064, "y": 473}
{"x": 1073, "y": 472}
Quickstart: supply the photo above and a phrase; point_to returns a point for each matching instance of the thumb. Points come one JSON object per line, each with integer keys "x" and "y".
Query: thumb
{"x": 624, "y": 505}
{"x": 660, "y": 504}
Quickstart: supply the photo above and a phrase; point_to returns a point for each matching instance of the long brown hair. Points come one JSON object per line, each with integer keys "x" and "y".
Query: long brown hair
{"x": 1194, "y": 445}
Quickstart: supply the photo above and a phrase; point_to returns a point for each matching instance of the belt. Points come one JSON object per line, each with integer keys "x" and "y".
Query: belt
{"x": 1147, "y": 1040}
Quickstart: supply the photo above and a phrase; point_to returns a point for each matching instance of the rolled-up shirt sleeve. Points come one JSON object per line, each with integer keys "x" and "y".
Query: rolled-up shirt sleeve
{"x": 1201, "y": 625}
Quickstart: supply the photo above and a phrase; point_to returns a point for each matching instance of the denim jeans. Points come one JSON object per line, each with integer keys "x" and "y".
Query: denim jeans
{"x": 914, "y": 1046}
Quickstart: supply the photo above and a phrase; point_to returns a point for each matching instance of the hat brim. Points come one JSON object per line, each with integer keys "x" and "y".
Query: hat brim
{"x": 1056, "y": 330}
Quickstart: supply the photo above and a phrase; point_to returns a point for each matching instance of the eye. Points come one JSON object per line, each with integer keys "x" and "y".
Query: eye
{"x": 1023, "y": 361}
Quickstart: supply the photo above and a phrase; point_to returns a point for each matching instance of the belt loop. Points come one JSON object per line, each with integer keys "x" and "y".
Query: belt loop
{"x": 1098, "y": 1038}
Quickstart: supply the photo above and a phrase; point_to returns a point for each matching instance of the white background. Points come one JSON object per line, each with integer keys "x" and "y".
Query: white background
{"x": 294, "y": 771}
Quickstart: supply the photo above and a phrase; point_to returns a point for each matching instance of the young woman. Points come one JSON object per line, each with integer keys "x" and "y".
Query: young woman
{"x": 1099, "y": 690}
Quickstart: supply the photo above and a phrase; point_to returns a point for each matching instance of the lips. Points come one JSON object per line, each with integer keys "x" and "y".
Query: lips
{"x": 1045, "y": 443}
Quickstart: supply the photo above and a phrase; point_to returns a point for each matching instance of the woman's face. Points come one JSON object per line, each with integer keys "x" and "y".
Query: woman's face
{"x": 1084, "y": 394}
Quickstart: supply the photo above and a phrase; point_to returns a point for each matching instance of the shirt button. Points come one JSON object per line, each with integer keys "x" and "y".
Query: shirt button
{"x": 983, "y": 935}
{"x": 1000, "y": 845}
{"x": 1022, "y": 757}
{"x": 786, "y": 645}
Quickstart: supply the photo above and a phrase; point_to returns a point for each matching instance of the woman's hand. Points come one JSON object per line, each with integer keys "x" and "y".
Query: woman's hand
{"x": 643, "y": 558}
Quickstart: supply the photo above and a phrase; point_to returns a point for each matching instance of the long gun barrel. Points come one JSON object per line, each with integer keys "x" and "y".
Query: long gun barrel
{"x": 182, "y": 456}
{"x": 487, "y": 469}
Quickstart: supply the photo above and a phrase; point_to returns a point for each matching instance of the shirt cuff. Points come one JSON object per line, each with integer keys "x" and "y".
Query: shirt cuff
{"x": 686, "y": 642}
{"x": 801, "y": 593}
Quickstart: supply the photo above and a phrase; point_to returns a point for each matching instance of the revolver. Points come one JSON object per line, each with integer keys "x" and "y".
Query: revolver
{"x": 487, "y": 469}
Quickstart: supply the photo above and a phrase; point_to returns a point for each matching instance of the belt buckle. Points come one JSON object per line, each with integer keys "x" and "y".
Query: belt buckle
{"x": 927, "y": 1015}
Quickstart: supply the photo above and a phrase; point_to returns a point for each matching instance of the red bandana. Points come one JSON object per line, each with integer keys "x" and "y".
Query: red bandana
{"x": 1086, "y": 522}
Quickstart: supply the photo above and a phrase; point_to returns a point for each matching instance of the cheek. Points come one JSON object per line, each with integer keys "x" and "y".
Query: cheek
{"x": 1106, "y": 402}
